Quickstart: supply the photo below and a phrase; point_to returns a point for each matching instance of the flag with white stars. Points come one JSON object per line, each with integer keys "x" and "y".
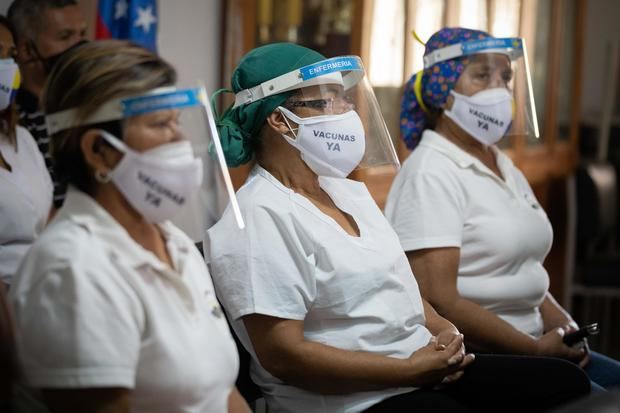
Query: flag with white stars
{"x": 134, "y": 20}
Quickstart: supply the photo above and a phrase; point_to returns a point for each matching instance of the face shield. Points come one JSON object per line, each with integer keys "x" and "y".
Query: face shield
{"x": 494, "y": 64}
{"x": 333, "y": 116}
{"x": 181, "y": 116}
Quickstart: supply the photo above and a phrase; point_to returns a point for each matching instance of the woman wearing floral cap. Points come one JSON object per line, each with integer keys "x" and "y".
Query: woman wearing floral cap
{"x": 474, "y": 233}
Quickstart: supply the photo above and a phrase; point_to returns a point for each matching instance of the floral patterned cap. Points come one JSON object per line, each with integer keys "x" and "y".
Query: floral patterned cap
{"x": 433, "y": 84}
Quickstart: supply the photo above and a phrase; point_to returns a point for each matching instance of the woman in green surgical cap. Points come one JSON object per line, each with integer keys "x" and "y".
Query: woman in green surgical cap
{"x": 317, "y": 286}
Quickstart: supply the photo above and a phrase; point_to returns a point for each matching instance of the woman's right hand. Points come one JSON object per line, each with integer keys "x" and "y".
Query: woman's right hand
{"x": 433, "y": 363}
{"x": 551, "y": 344}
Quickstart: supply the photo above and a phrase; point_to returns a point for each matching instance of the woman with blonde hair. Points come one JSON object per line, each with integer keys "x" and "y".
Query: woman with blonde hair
{"x": 114, "y": 306}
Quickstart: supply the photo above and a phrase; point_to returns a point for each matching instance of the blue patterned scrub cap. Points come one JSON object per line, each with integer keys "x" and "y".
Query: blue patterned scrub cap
{"x": 427, "y": 91}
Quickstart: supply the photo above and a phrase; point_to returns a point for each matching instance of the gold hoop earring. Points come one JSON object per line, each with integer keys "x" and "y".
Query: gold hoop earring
{"x": 102, "y": 177}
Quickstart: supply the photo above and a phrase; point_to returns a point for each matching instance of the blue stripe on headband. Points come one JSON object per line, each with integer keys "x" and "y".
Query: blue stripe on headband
{"x": 336, "y": 64}
{"x": 476, "y": 46}
{"x": 174, "y": 100}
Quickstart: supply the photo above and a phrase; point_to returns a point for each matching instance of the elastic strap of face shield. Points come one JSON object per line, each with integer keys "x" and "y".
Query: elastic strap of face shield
{"x": 510, "y": 46}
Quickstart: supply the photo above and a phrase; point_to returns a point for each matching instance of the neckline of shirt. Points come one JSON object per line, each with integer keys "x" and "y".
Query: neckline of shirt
{"x": 462, "y": 159}
{"x": 326, "y": 184}
{"x": 83, "y": 210}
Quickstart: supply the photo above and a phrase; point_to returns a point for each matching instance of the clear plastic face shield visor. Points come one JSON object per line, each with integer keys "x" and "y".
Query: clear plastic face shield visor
{"x": 184, "y": 113}
{"x": 495, "y": 64}
{"x": 336, "y": 106}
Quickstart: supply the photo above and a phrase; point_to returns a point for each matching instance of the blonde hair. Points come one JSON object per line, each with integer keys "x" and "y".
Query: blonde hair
{"x": 87, "y": 77}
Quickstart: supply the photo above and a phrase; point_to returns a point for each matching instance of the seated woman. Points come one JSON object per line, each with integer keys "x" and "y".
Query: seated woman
{"x": 317, "y": 286}
{"x": 114, "y": 307}
{"x": 25, "y": 184}
{"x": 475, "y": 236}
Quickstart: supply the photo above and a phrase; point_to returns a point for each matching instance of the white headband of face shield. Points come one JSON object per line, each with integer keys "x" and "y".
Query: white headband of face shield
{"x": 111, "y": 110}
{"x": 346, "y": 71}
{"x": 512, "y": 47}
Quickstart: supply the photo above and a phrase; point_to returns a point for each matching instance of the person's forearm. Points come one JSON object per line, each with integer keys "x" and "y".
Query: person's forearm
{"x": 329, "y": 370}
{"x": 485, "y": 331}
{"x": 52, "y": 213}
{"x": 553, "y": 314}
{"x": 436, "y": 323}
{"x": 236, "y": 403}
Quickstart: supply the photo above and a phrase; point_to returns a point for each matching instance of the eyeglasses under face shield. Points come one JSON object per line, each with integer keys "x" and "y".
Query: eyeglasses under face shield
{"x": 333, "y": 87}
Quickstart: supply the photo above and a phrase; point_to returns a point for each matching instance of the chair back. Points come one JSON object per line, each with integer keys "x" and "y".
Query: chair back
{"x": 597, "y": 208}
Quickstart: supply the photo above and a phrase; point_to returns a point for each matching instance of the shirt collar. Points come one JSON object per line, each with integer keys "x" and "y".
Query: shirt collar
{"x": 434, "y": 140}
{"x": 86, "y": 212}
{"x": 259, "y": 170}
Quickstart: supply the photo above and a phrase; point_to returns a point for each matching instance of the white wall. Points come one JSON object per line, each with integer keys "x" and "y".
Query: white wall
{"x": 601, "y": 26}
{"x": 189, "y": 38}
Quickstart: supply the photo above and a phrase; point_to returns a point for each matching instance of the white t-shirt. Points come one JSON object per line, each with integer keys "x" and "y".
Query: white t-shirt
{"x": 95, "y": 309}
{"x": 292, "y": 261}
{"x": 25, "y": 200}
{"x": 444, "y": 197}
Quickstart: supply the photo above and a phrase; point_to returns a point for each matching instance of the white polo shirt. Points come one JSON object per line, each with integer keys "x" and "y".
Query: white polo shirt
{"x": 445, "y": 197}
{"x": 294, "y": 262}
{"x": 25, "y": 200}
{"x": 95, "y": 309}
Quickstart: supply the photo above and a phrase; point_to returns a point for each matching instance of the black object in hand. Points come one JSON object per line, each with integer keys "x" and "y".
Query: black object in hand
{"x": 576, "y": 336}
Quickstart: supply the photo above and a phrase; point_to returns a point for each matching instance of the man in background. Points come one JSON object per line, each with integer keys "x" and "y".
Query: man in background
{"x": 43, "y": 30}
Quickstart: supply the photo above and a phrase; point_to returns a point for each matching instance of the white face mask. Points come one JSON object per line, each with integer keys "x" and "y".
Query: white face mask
{"x": 8, "y": 71}
{"x": 485, "y": 115}
{"x": 331, "y": 145}
{"x": 158, "y": 182}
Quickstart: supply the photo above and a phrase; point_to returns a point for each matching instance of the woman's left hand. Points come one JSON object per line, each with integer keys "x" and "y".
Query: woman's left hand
{"x": 569, "y": 328}
{"x": 444, "y": 338}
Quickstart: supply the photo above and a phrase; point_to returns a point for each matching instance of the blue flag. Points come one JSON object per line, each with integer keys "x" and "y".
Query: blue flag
{"x": 134, "y": 20}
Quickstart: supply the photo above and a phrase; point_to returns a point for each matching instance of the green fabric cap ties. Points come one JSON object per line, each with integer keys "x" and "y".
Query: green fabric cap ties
{"x": 239, "y": 127}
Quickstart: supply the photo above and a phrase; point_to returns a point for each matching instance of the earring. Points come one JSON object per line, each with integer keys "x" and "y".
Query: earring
{"x": 102, "y": 177}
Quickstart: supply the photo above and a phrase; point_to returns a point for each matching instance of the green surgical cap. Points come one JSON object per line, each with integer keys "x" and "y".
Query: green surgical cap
{"x": 239, "y": 126}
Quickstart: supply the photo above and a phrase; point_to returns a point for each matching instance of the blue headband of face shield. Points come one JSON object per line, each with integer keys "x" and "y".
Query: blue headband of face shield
{"x": 513, "y": 47}
{"x": 156, "y": 100}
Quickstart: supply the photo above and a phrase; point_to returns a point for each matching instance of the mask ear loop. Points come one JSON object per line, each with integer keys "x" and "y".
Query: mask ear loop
{"x": 104, "y": 139}
{"x": 288, "y": 124}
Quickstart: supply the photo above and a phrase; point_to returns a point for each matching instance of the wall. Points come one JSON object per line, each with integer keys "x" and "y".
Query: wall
{"x": 189, "y": 36}
{"x": 601, "y": 26}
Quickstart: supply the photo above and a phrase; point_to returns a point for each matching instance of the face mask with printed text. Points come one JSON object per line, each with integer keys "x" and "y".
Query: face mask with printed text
{"x": 486, "y": 115}
{"x": 9, "y": 82}
{"x": 157, "y": 182}
{"x": 331, "y": 145}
